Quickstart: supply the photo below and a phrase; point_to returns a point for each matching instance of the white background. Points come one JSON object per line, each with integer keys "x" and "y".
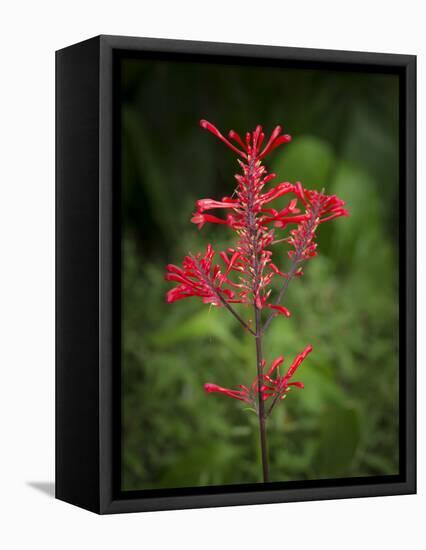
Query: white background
{"x": 29, "y": 34}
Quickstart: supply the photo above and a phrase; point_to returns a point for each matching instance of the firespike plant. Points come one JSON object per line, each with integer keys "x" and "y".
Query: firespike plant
{"x": 248, "y": 269}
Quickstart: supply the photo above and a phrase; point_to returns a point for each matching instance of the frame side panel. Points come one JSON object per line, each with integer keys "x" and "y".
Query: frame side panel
{"x": 410, "y": 274}
{"x": 109, "y": 374}
{"x": 77, "y": 281}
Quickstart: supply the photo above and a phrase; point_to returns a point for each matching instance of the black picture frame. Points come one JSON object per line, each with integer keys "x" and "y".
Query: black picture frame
{"x": 87, "y": 278}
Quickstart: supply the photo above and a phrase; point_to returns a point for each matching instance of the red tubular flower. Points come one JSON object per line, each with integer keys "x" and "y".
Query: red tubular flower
{"x": 235, "y": 394}
{"x": 198, "y": 277}
{"x": 244, "y": 394}
{"x": 279, "y": 310}
{"x": 211, "y": 128}
{"x": 201, "y": 219}
{"x": 249, "y": 395}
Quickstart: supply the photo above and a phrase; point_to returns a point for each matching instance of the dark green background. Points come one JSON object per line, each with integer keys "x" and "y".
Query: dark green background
{"x": 345, "y": 138}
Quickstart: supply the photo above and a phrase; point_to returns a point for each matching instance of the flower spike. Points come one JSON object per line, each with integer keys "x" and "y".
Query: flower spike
{"x": 260, "y": 218}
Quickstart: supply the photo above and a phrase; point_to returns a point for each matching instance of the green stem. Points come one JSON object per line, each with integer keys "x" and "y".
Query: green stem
{"x": 261, "y": 405}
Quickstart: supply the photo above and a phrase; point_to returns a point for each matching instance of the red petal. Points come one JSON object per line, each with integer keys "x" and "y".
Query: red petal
{"x": 276, "y": 192}
{"x": 233, "y": 135}
{"x": 300, "y": 385}
{"x": 211, "y": 128}
{"x": 209, "y": 204}
{"x": 211, "y": 388}
{"x": 297, "y": 362}
{"x": 281, "y": 309}
{"x": 201, "y": 219}
{"x": 275, "y": 364}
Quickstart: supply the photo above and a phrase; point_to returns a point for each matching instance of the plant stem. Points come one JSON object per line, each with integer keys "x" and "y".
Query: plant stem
{"x": 222, "y": 299}
{"x": 261, "y": 406}
{"x": 298, "y": 258}
{"x": 281, "y": 294}
{"x": 252, "y": 225}
{"x": 235, "y": 314}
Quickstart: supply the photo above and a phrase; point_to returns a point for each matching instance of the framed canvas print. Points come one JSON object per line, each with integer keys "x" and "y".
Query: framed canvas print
{"x": 235, "y": 269}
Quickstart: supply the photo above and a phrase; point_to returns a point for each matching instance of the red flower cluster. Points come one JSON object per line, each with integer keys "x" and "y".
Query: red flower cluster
{"x": 254, "y": 220}
{"x": 319, "y": 208}
{"x": 199, "y": 278}
{"x": 272, "y": 384}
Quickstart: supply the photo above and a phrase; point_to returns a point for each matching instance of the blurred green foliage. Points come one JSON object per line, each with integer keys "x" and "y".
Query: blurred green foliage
{"x": 345, "y": 421}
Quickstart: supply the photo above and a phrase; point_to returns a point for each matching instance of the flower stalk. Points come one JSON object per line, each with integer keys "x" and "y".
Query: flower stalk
{"x": 247, "y": 269}
{"x": 261, "y": 404}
